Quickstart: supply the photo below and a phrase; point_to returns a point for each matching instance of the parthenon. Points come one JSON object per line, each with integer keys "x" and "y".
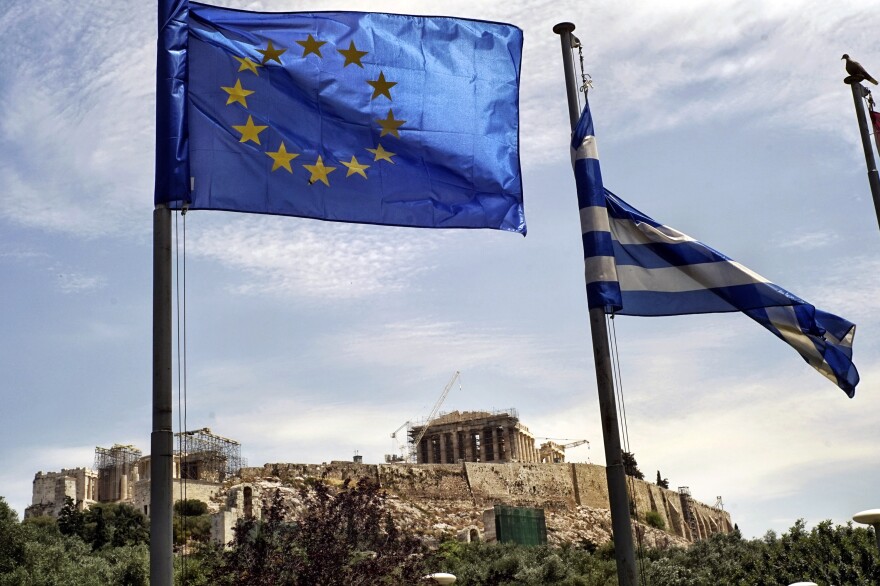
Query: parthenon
{"x": 474, "y": 436}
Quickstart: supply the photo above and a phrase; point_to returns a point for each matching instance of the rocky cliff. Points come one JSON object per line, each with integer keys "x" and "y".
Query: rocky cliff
{"x": 437, "y": 500}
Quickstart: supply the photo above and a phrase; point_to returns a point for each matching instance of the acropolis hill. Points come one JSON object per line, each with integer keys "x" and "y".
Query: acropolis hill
{"x": 475, "y": 460}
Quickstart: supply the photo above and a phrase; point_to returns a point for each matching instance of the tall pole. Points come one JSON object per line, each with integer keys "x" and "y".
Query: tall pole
{"x": 858, "y": 93}
{"x": 162, "y": 436}
{"x": 624, "y": 552}
{"x": 172, "y": 179}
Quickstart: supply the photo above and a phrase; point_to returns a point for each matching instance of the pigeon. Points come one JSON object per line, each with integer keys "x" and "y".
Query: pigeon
{"x": 855, "y": 69}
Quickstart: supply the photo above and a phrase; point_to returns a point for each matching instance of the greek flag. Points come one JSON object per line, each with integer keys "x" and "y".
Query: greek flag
{"x": 637, "y": 266}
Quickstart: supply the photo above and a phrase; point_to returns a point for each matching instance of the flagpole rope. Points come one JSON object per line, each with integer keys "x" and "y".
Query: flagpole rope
{"x": 617, "y": 379}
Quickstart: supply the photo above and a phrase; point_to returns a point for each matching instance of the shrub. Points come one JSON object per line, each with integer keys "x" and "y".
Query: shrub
{"x": 655, "y": 519}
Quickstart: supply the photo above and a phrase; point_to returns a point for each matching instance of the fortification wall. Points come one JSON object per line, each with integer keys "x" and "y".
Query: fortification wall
{"x": 561, "y": 488}
{"x": 444, "y": 482}
{"x": 336, "y": 472}
{"x": 520, "y": 484}
{"x": 195, "y": 489}
{"x": 590, "y": 485}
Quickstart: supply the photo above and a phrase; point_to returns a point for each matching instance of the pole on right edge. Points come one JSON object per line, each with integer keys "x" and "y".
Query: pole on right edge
{"x": 624, "y": 552}
{"x": 858, "y": 93}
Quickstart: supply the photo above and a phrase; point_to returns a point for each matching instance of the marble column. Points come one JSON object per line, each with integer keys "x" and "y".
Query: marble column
{"x": 441, "y": 439}
{"x": 496, "y": 445}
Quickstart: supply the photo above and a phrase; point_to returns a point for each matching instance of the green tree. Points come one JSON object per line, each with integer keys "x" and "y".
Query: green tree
{"x": 190, "y": 508}
{"x": 343, "y": 537}
{"x": 662, "y": 482}
{"x": 71, "y": 521}
{"x": 37, "y": 553}
{"x": 191, "y": 521}
{"x": 631, "y": 467}
{"x": 12, "y": 539}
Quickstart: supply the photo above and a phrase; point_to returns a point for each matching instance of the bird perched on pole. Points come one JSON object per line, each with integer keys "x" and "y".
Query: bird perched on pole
{"x": 855, "y": 69}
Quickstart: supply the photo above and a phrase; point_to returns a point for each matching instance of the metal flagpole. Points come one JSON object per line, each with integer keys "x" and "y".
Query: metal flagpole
{"x": 162, "y": 437}
{"x": 624, "y": 552}
{"x": 170, "y": 125}
{"x": 858, "y": 93}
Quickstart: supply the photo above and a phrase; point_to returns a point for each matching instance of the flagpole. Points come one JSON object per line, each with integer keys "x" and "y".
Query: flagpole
{"x": 172, "y": 177}
{"x": 858, "y": 93}
{"x": 162, "y": 436}
{"x": 624, "y": 552}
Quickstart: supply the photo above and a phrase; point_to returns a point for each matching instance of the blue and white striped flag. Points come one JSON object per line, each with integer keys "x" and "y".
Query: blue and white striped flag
{"x": 637, "y": 266}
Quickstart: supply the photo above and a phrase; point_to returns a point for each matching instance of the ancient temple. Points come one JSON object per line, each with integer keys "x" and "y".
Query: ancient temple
{"x": 474, "y": 436}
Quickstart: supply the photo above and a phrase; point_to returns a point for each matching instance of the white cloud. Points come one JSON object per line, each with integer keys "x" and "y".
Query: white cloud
{"x": 419, "y": 348}
{"x": 77, "y": 283}
{"x": 76, "y": 129}
{"x": 317, "y": 261}
{"x": 809, "y": 240}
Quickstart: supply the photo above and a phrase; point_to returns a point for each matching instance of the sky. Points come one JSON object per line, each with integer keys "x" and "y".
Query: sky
{"x": 307, "y": 341}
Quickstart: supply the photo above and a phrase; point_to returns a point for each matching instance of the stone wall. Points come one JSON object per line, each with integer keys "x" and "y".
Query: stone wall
{"x": 590, "y": 485}
{"x": 535, "y": 485}
{"x": 195, "y": 489}
{"x": 336, "y": 472}
{"x": 432, "y": 481}
{"x": 243, "y": 500}
{"x": 562, "y": 488}
{"x": 51, "y": 488}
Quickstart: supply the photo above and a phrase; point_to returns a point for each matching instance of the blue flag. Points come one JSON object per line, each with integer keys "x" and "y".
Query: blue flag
{"x": 346, "y": 116}
{"x": 637, "y": 266}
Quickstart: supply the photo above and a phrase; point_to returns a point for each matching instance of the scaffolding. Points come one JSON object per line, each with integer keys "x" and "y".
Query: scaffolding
{"x": 115, "y": 466}
{"x": 207, "y": 456}
{"x": 687, "y": 509}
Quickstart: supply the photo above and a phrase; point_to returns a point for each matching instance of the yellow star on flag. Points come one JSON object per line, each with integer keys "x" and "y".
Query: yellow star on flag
{"x": 381, "y": 154}
{"x": 319, "y": 172}
{"x": 270, "y": 53}
{"x": 247, "y": 64}
{"x": 352, "y": 55}
{"x": 237, "y": 93}
{"x": 311, "y": 45}
{"x": 250, "y": 131}
{"x": 381, "y": 87}
{"x": 355, "y": 167}
{"x": 390, "y": 124}
{"x": 282, "y": 158}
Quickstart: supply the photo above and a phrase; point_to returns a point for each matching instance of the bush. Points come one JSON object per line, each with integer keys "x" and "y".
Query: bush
{"x": 192, "y": 528}
{"x": 190, "y": 508}
{"x": 343, "y": 536}
{"x": 655, "y": 519}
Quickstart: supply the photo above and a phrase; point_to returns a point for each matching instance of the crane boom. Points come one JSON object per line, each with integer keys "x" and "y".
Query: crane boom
{"x": 394, "y": 434}
{"x": 575, "y": 444}
{"x": 435, "y": 409}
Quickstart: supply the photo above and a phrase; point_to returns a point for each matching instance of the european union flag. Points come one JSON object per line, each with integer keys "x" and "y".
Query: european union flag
{"x": 346, "y": 116}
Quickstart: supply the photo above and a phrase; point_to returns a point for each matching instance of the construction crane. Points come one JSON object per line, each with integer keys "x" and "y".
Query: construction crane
{"x": 575, "y": 444}
{"x": 434, "y": 410}
{"x": 550, "y": 444}
{"x": 396, "y": 447}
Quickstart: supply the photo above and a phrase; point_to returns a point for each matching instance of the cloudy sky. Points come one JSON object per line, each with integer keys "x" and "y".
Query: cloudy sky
{"x": 306, "y": 340}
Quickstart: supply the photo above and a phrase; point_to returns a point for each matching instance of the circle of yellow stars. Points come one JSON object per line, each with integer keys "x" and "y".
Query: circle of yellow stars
{"x": 281, "y": 157}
